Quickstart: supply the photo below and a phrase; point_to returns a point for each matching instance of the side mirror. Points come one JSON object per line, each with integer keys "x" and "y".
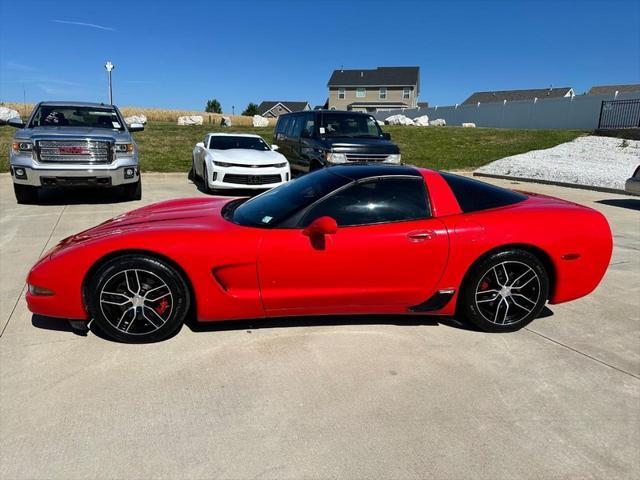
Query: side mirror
{"x": 136, "y": 127}
{"x": 200, "y": 144}
{"x": 321, "y": 226}
{"x": 386, "y": 136}
{"x": 16, "y": 122}
{"x": 275, "y": 147}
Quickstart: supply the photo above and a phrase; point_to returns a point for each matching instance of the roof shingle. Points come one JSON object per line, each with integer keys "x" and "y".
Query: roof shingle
{"x": 612, "y": 89}
{"x": 381, "y": 76}
{"x": 513, "y": 95}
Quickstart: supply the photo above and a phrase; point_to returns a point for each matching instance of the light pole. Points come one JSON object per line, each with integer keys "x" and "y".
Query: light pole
{"x": 110, "y": 66}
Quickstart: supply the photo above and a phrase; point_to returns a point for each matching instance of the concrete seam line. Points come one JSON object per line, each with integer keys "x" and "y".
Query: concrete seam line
{"x": 583, "y": 354}
{"x": 25, "y": 285}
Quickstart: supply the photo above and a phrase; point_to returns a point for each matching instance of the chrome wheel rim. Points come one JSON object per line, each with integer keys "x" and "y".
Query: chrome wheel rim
{"x": 136, "y": 302}
{"x": 507, "y": 293}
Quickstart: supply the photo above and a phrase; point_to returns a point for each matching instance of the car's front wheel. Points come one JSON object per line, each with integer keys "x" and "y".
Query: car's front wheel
{"x": 205, "y": 180}
{"x": 133, "y": 191}
{"x": 136, "y": 299}
{"x": 504, "y": 291}
{"x": 25, "y": 194}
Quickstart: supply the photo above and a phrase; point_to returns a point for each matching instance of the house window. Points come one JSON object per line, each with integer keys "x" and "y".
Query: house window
{"x": 382, "y": 93}
{"x": 361, "y": 92}
{"x": 341, "y": 93}
{"x": 406, "y": 92}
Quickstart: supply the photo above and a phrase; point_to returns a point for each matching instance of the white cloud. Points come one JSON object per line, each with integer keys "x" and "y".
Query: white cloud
{"x": 84, "y": 24}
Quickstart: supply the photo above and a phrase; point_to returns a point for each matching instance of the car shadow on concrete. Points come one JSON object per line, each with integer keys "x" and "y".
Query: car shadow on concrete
{"x": 82, "y": 328}
{"x": 80, "y": 196}
{"x": 628, "y": 203}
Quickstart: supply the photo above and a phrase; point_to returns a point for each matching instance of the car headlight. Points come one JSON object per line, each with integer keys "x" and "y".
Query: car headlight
{"x": 393, "y": 158}
{"x": 124, "y": 148}
{"x": 280, "y": 165}
{"x": 22, "y": 146}
{"x": 222, "y": 164}
{"x": 333, "y": 157}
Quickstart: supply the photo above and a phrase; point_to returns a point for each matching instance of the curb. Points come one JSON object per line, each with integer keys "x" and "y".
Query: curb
{"x": 552, "y": 182}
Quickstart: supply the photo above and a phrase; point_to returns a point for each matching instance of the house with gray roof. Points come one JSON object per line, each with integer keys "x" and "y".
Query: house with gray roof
{"x": 275, "y": 108}
{"x": 613, "y": 89}
{"x": 515, "y": 95}
{"x": 379, "y": 89}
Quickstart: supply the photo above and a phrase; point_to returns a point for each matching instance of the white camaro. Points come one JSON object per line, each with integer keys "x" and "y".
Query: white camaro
{"x": 238, "y": 160}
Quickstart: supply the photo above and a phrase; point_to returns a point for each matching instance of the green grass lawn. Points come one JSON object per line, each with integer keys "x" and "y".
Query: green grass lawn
{"x": 166, "y": 147}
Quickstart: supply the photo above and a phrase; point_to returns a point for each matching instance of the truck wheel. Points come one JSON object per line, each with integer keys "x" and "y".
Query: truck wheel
{"x": 133, "y": 191}
{"x": 25, "y": 194}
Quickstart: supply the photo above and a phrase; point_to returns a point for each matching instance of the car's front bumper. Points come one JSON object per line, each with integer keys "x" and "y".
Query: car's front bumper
{"x": 253, "y": 178}
{"x": 39, "y": 174}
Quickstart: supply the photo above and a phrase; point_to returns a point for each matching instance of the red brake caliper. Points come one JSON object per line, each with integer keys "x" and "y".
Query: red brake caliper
{"x": 162, "y": 306}
{"x": 484, "y": 285}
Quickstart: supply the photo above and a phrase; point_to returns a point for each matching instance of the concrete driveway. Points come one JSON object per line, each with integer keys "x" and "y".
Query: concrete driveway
{"x": 384, "y": 397}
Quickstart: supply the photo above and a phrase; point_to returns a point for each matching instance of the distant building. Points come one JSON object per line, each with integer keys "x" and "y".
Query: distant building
{"x": 612, "y": 89}
{"x": 273, "y": 109}
{"x": 514, "y": 95}
{"x": 385, "y": 88}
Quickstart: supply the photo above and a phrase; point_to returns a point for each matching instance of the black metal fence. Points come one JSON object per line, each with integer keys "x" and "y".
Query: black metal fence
{"x": 619, "y": 114}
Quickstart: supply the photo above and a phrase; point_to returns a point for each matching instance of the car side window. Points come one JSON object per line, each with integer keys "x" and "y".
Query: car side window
{"x": 281, "y": 127}
{"x": 206, "y": 141}
{"x": 309, "y": 126}
{"x": 374, "y": 201}
{"x": 295, "y": 126}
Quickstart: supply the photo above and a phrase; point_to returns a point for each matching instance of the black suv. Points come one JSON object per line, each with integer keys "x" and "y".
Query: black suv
{"x": 320, "y": 138}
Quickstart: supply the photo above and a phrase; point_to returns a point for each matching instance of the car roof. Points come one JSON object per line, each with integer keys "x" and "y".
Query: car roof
{"x": 367, "y": 170}
{"x": 76, "y": 104}
{"x": 323, "y": 111}
{"x": 250, "y": 135}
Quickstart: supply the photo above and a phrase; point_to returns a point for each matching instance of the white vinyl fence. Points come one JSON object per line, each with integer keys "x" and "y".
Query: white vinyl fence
{"x": 580, "y": 112}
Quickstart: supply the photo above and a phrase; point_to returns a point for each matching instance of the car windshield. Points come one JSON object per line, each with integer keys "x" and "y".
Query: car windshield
{"x": 350, "y": 125}
{"x": 274, "y": 206}
{"x": 231, "y": 142}
{"x": 70, "y": 116}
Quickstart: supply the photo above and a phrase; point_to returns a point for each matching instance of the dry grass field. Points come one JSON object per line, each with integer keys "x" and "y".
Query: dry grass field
{"x": 156, "y": 114}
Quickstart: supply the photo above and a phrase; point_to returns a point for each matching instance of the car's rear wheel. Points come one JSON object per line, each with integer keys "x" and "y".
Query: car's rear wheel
{"x": 504, "y": 291}
{"x": 137, "y": 299}
{"x": 133, "y": 191}
{"x": 25, "y": 194}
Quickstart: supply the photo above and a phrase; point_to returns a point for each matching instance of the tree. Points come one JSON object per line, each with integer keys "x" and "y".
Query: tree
{"x": 213, "y": 106}
{"x": 251, "y": 110}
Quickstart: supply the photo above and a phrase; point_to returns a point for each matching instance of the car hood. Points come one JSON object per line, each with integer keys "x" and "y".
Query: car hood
{"x": 367, "y": 145}
{"x": 174, "y": 214}
{"x": 83, "y": 132}
{"x": 247, "y": 156}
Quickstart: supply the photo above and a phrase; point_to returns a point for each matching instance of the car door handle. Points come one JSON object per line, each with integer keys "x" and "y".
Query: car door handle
{"x": 421, "y": 235}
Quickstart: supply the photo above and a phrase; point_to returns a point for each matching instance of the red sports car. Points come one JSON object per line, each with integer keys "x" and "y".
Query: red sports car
{"x": 342, "y": 240}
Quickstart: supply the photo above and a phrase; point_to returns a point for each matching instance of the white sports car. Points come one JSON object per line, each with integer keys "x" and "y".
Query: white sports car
{"x": 238, "y": 160}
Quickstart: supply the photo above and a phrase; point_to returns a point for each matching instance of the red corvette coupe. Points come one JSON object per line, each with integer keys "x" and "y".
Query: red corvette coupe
{"x": 343, "y": 240}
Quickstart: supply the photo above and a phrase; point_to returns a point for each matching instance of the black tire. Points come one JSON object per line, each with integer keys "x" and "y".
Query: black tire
{"x": 161, "y": 313}
{"x": 25, "y": 194}
{"x": 192, "y": 175}
{"x": 504, "y": 291}
{"x": 205, "y": 180}
{"x": 133, "y": 191}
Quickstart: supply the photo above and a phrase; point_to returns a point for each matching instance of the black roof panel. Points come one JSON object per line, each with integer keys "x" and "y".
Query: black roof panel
{"x": 366, "y": 170}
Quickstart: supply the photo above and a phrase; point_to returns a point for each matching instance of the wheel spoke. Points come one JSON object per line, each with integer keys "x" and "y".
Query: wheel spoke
{"x": 494, "y": 293}
{"x": 519, "y": 295}
{"x": 158, "y": 298}
{"x": 519, "y": 305}
{"x": 126, "y": 277}
{"x": 148, "y": 319}
{"x": 116, "y": 303}
{"x": 155, "y": 313}
{"x": 123, "y": 315}
{"x": 495, "y": 272}
{"x": 530, "y": 270}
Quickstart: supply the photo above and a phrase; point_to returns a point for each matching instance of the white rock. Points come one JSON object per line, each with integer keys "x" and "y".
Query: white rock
{"x": 421, "y": 121}
{"x": 438, "y": 122}
{"x": 469, "y": 125}
{"x": 589, "y": 161}
{"x": 260, "y": 121}
{"x": 225, "y": 122}
{"x": 7, "y": 114}
{"x": 142, "y": 119}
{"x": 190, "y": 120}
{"x": 398, "y": 120}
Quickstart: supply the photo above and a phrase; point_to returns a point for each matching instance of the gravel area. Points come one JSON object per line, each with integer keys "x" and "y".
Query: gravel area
{"x": 589, "y": 161}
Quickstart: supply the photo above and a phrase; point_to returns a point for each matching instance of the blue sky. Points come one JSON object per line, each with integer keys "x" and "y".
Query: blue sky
{"x": 177, "y": 54}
